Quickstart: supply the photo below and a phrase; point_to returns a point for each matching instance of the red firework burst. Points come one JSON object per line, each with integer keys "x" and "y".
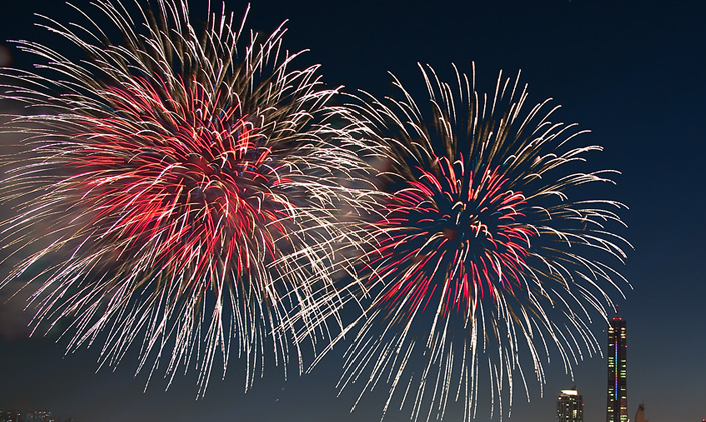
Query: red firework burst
{"x": 192, "y": 185}
{"x": 466, "y": 228}
{"x": 480, "y": 252}
{"x": 189, "y": 184}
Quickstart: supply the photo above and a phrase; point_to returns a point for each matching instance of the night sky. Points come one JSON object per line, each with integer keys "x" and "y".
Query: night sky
{"x": 632, "y": 72}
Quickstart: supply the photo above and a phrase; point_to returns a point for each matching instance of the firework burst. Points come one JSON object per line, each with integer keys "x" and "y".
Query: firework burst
{"x": 489, "y": 252}
{"x": 184, "y": 185}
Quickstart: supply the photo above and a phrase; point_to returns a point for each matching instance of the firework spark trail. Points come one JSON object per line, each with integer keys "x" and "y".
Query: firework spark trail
{"x": 483, "y": 255}
{"x": 190, "y": 185}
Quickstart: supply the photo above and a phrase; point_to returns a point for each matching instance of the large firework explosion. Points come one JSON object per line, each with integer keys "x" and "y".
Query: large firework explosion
{"x": 184, "y": 185}
{"x": 491, "y": 252}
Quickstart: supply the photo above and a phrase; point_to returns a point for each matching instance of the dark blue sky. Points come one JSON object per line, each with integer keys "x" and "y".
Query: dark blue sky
{"x": 630, "y": 71}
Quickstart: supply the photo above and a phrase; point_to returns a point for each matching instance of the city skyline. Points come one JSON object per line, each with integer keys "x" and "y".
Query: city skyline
{"x": 630, "y": 72}
{"x": 18, "y": 415}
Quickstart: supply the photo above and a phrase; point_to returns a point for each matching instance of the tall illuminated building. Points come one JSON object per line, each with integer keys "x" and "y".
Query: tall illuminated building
{"x": 617, "y": 371}
{"x": 569, "y": 406}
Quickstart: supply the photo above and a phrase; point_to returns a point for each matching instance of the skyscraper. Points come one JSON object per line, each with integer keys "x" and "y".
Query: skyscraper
{"x": 569, "y": 406}
{"x": 617, "y": 371}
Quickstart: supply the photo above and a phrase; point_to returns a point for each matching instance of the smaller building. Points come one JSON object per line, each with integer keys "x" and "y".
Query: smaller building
{"x": 39, "y": 416}
{"x": 569, "y": 406}
{"x": 10, "y": 416}
{"x": 640, "y": 414}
